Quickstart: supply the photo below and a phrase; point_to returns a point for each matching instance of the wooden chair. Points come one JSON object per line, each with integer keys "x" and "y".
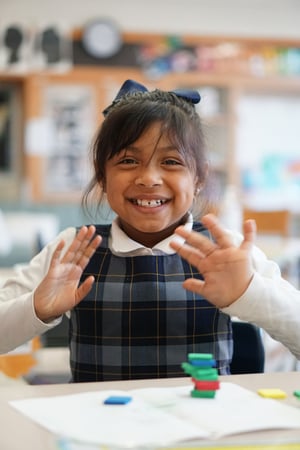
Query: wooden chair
{"x": 19, "y": 362}
{"x": 273, "y": 222}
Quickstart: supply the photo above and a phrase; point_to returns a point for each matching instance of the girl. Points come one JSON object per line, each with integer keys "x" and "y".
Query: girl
{"x": 164, "y": 284}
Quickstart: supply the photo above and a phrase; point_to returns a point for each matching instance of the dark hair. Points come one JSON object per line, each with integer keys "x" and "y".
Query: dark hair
{"x": 129, "y": 117}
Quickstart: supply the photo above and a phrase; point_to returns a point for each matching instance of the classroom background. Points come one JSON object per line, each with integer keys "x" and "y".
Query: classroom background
{"x": 62, "y": 62}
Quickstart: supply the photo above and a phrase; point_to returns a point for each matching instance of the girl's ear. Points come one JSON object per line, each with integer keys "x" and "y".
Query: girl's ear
{"x": 199, "y": 184}
{"x": 198, "y": 189}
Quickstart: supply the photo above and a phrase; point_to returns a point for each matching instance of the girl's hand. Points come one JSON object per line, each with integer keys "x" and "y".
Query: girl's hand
{"x": 59, "y": 291}
{"x": 226, "y": 269}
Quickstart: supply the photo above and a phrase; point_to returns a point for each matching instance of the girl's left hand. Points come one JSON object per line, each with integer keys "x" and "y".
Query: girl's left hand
{"x": 60, "y": 290}
{"x": 227, "y": 270}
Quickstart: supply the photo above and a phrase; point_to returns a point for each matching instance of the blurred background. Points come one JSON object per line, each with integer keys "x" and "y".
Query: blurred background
{"x": 61, "y": 64}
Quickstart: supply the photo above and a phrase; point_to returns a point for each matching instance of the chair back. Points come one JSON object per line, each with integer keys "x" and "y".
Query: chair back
{"x": 248, "y": 350}
{"x": 275, "y": 222}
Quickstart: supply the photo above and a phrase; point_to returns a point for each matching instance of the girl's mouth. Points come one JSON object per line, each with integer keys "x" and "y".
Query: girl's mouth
{"x": 148, "y": 203}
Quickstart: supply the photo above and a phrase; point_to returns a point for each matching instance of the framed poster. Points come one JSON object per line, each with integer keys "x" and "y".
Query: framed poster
{"x": 59, "y": 138}
{"x": 69, "y": 121}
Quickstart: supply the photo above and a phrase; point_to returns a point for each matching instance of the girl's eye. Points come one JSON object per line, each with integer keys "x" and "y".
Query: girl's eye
{"x": 172, "y": 162}
{"x": 128, "y": 160}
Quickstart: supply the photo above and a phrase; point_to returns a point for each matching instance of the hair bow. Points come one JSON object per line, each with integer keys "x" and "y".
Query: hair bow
{"x": 131, "y": 86}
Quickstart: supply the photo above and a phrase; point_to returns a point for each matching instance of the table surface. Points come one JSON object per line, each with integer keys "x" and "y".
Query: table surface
{"x": 20, "y": 433}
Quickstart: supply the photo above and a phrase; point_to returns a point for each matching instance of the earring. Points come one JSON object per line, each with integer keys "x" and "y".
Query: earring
{"x": 197, "y": 191}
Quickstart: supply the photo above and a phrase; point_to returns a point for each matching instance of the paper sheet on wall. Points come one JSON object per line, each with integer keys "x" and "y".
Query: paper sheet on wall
{"x": 158, "y": 416}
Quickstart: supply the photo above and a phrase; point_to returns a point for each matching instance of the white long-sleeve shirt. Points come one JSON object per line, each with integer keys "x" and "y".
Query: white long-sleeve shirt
{"x": 269, "y": 301}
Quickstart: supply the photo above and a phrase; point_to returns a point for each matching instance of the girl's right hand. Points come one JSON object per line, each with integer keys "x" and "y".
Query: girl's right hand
{"x": 59, "y": 291}
{"x": 227, "y": 269}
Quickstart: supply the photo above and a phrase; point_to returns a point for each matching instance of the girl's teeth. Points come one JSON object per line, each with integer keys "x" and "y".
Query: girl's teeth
{"x": 149, "y": 203}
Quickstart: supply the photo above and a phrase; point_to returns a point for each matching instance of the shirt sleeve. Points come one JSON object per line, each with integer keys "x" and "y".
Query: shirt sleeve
{"x": 19, "y": 322}
{"x": 271, "y": 303}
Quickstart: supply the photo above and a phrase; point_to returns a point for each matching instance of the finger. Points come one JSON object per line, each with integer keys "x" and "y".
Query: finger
{"x": 84, "y": 289}
{"x": 56, "y": 254}
{"x": 197, "y": 241}
{"x": 81, "y": 241}
{"x": 249, "y": 230}
{"x": 193, "y": 285}
{"x": 191, "y": 254}
{"x": 75, "y": 245}
{"x": 85, "y": 257}
{"x": 218, "y": 232}
{"x": 84, "y": 238}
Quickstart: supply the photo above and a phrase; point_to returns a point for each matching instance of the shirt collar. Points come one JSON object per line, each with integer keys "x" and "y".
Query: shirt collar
{"x": 121, "y": 245}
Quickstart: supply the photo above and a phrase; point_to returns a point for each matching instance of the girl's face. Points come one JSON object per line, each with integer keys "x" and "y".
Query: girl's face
{"x": 150, "y": 187}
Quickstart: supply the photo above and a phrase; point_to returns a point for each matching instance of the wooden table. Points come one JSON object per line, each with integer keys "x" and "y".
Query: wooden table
{"x": 20, "y": 433}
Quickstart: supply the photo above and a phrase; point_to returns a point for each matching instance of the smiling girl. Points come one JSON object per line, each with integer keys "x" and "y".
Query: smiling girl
{"x": 161, "y": 284}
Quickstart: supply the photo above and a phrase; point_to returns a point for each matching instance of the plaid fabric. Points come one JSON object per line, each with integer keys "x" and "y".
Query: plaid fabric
{"x": 138, "y": 321}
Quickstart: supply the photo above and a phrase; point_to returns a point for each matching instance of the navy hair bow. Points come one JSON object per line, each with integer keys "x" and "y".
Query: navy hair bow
{"x": 131, "y": 86}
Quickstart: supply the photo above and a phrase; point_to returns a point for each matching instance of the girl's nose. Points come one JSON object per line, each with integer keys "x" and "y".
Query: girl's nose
{"x": 148, "y": 177}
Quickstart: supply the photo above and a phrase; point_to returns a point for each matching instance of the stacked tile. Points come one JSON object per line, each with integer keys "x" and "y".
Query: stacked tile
{"x": 201, "y": 367}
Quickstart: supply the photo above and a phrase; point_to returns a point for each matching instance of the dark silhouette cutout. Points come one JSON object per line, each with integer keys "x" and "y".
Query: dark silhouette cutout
{"x": 50, "y": 45}
{"x": 13, "y": 39}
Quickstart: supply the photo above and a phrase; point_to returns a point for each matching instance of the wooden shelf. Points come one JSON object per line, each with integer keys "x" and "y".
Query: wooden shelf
{"x": 104, "y": 81}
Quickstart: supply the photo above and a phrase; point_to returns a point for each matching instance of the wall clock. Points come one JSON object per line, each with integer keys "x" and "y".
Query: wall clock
{"x": 101, "y": 38}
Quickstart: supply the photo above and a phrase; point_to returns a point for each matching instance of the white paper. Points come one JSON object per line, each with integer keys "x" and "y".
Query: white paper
{"x": 158, "y": 416}
{"x": 39, "y": 136}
